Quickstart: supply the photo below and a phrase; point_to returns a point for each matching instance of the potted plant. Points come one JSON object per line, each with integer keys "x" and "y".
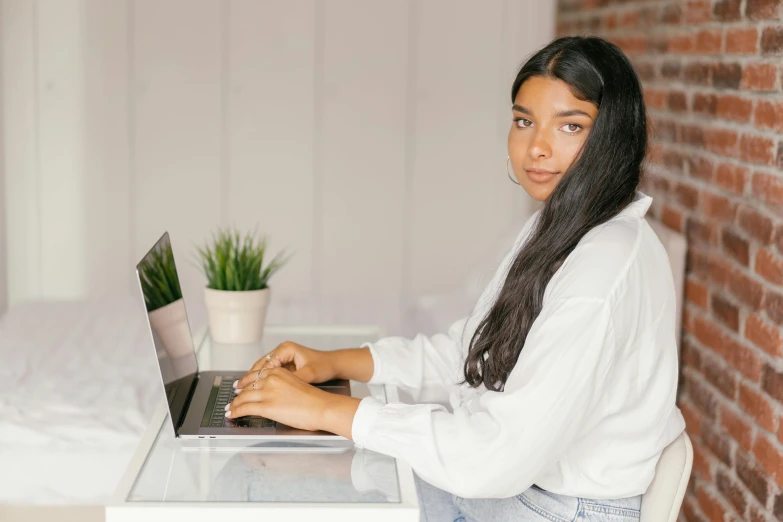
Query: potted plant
{"x": 237, "y": 293}
{"x": 163, "y": 299}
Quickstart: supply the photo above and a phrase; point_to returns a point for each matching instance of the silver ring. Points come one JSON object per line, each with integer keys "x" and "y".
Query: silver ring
{"x": 254, "y": 384}
{"x": 268, "y": 357}
{"x": 259, "y": 372}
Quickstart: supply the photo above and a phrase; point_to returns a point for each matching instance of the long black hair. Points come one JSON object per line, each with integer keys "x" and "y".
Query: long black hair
{"x": 599, "y": 183}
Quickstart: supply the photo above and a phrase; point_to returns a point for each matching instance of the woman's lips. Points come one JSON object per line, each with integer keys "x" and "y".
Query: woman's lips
{"x": 540, "y": 177}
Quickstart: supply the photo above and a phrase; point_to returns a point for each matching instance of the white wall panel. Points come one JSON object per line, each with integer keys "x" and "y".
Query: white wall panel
{"x": 177, "y": 131}
{"x": 107, "y": 165}
{"x": 365, "y": 64}
{"x": 270, "y": 134}
{"x": 3, "y": 233}
{"x": 460, "y": 203}
{"x": 61, "y": 148}
{"x": 20, "y": 132}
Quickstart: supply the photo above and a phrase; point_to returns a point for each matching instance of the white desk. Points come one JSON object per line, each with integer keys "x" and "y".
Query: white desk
{"x": 170, "y": 479}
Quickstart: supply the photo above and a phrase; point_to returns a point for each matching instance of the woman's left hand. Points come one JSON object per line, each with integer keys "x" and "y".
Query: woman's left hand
{"x": 281, "y": 396}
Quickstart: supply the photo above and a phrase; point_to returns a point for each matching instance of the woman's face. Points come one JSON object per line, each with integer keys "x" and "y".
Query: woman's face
{"x": 549, "y": 127}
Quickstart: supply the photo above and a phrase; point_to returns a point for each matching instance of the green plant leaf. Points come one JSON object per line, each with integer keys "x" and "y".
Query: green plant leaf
{"x": 158, "y": 276}
{"x": 235, "y": 262}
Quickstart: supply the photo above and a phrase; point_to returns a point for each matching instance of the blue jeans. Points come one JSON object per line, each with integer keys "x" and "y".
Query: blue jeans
{"x": 535, "y": 504}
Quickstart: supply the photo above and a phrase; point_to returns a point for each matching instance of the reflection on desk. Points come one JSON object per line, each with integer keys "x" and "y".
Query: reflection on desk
{"x": 354, "y": 475}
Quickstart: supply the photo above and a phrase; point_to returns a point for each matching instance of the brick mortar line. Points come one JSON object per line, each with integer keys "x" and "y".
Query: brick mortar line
{"x": 717, "y": 426}
{"x": 681, "y": 29}
{"x": 706, "y": 59}
{"x": 741, "y": 311}
{"x": 740, "y": 58}
{"x": 699, "y": 183}
{"x": 691, "y": 117}
{"x": 754, "y": 167}
{"x": 717, "y": 159}
{"x": 771, "y": 361}
{"x": 772, "y": 489}
{"x": 717, "y": 496}
{"x": 581, "y": 12}
{"x": 721, "y": 498}
{"x": 667, "y": 84}
{"x": 745, "y": 311}
{"x": 745, "y": 306}
{"x": 751, "y": 385}
{"x": 708, "y": 123}
{"x": 735, "y": 228}
{"x": 692, "y": 89}
{"x": 735, "y": 198}
{"x": 666, "y": 171}
{"x": 771, "y": 95}
{"x": 718, "y": 359}
{"x": 749, "y": 497}
{"x": 731, "y": 472}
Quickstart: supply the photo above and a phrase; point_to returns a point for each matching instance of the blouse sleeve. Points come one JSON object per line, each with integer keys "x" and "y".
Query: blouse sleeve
{"x": 422, "y": 363}
{"x": 497, "y": 444}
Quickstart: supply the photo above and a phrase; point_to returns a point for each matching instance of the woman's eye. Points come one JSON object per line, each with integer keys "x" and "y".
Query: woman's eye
{"x": 570, "y": 128}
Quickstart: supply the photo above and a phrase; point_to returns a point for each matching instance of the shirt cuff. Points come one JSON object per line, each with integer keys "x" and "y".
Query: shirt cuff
{"x": 376, "y": 363}
{"x": 365, "y": 416}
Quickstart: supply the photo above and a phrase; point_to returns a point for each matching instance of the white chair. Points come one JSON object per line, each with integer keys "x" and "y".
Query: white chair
{"x": 663, "y": 498}
{"x": 676, "y": 247}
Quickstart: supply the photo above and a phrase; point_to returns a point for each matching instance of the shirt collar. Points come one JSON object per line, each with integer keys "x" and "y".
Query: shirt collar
{"x": 639, "y": 206}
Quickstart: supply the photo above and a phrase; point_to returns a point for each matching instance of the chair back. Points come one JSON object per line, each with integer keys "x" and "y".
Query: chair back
{"x": 663, "y": 498}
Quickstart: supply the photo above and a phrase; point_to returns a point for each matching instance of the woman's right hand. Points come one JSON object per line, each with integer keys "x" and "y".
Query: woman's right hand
{"x": 312, "y": 366}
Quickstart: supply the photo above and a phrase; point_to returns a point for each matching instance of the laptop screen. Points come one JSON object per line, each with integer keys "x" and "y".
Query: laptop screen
{"x": 168, "y": 322}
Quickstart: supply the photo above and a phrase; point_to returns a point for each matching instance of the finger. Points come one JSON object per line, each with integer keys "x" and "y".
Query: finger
{"x": 250, "y": 408}
{"x": 305, "y": 374}
{"x": 275, "y": 373}
{"x": 248, "y": 397}
{"x": 281, "y": 355}
{"x": 266, "y": 374}
{"x": 251, "y": 376}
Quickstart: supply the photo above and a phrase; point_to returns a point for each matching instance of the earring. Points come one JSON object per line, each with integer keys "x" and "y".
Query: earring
{"x": 508, "y": 173}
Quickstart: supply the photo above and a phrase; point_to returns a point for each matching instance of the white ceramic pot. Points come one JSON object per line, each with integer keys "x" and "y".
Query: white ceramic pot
{"x": 170, "y": 324}
{"x": 236, "y": 317}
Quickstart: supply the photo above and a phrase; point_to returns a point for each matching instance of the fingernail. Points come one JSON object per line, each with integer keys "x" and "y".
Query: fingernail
{"x": 228, "y": 414}
{"x": 226, "y": 408}
{"x": 236, "y": 383}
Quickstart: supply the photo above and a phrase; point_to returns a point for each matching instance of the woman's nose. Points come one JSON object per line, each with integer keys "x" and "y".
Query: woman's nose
{"x": 540, "y": 146}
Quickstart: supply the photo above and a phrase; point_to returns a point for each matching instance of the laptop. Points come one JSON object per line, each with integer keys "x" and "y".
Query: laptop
{"x": 196, "y": 399}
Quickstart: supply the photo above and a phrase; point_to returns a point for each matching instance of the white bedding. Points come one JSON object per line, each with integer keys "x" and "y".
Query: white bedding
{"x": 78, "y": 385}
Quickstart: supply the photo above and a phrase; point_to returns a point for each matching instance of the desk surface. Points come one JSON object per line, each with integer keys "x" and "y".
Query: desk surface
{"x": 334, "y": 480}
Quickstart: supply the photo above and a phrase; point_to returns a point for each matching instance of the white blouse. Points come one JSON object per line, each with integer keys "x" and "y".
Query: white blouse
{"x": 590, "y": 404}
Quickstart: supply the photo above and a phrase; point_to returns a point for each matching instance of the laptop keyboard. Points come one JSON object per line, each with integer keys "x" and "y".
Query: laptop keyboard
{"x": 225, "y": 395}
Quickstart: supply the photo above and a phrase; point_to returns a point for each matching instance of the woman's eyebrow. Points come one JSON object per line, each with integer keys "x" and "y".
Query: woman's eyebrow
{"x": 561, "y": 114}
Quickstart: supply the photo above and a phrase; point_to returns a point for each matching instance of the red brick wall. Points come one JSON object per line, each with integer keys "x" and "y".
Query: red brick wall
{"x": 712, "y": 75}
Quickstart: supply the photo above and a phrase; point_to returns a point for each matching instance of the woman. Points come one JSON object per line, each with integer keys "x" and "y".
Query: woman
{"x": 562, "y": 381}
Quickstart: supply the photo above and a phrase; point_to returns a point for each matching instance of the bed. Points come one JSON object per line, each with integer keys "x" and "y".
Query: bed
{"x": 77, "y": 388}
